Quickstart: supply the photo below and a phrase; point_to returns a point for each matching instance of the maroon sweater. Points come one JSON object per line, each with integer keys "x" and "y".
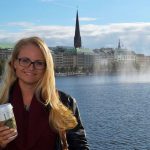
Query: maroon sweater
{"x": 34, "y": 132}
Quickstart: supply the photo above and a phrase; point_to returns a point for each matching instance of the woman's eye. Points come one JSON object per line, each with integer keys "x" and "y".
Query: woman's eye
{"x": 40, "y": 63}
{"x": 25, "y": 60}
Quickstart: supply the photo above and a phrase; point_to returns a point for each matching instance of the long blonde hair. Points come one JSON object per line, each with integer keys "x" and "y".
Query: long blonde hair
{"x": 60, "y": 117}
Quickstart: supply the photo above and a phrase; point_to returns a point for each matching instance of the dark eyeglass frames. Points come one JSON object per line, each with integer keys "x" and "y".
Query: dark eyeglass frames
{"x": 26, "y": 62}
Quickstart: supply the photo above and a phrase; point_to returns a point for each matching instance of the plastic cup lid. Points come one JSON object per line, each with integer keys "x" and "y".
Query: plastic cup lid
{"x": 4, "y": 107}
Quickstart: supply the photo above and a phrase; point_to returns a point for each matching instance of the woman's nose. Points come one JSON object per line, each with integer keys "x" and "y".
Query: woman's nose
{"x": 31, "y": 66}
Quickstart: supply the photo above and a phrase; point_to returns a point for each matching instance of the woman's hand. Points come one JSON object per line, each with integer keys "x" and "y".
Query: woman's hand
{"x": 7, "y": 135}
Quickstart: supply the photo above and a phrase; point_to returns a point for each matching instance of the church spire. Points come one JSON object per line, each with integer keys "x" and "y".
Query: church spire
{"x": 119, "y": 44}
{"x": 77, "y": 37}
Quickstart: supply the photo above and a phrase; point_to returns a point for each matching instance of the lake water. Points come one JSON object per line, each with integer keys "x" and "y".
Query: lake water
{"x": 115, "y": 111}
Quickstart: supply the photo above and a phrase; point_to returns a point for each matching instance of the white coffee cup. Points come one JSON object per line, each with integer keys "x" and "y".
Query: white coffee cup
{"x": 7, "y": 116}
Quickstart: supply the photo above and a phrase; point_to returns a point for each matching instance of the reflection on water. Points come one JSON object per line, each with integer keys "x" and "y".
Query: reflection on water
{"x": 115, "y": 113}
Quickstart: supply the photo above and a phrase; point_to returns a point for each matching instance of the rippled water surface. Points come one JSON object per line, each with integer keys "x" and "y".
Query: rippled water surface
{"x": 116, "y": 114}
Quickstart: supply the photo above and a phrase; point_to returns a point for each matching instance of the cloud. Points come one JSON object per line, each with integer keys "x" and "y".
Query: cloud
{"x": 133, "y": 36}
{"x": 87, "y": 19}
{"x": 20, "y": 24}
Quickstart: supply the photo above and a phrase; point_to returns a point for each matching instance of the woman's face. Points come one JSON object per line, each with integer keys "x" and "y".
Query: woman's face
{"x": 30, "y": 65}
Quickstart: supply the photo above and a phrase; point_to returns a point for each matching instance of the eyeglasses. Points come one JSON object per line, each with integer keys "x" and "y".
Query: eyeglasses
{"x": 26, "y": 62}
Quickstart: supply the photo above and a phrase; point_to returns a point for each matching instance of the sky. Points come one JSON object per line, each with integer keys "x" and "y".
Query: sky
{"x": 102, "y": 22}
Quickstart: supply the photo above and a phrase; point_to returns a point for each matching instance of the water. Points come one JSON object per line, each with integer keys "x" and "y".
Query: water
{"x": 115, "y": 113}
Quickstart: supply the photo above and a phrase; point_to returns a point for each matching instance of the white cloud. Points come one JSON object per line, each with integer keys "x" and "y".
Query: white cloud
{"x": 21, "y": 24}
{"x": 135, "y": 36}
{"x": 87, "y": 19}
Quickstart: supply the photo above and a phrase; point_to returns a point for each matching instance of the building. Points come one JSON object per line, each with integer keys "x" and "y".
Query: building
{"x": 85, "y": 58}
{"x": 5, "y": 53}
{"x": 77, "y": 37}
{"x": 74, "y": 58}
{"x": 64, "y": 57}
{"x": 123, "y": 55}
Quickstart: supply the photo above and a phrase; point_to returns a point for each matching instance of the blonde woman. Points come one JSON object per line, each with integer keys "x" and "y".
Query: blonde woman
{"x": 46, "y": 118}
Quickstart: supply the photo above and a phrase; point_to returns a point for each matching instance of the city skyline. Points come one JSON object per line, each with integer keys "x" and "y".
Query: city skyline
{"x": 102, "y": 23}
